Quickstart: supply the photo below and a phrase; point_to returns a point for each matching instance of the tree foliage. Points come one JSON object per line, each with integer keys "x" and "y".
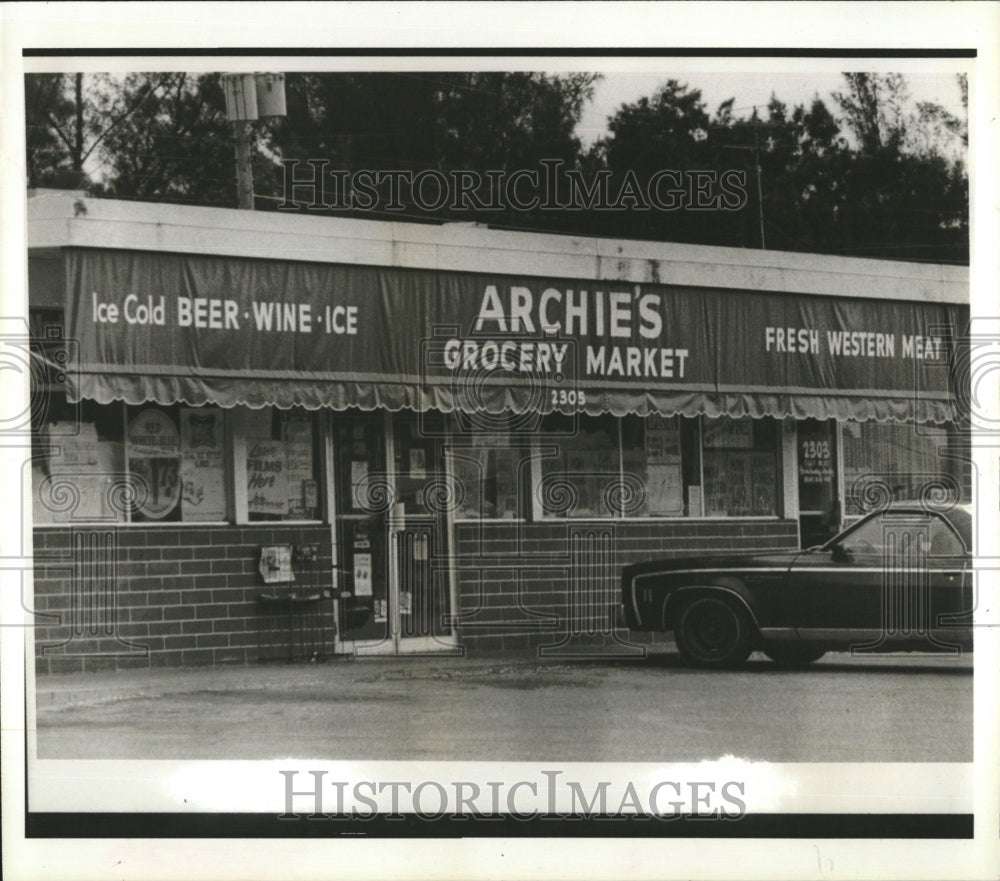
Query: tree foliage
{"x": 868, "y": 175}
{"x": 878, "y": 184}
{"x": 435, "y": 120}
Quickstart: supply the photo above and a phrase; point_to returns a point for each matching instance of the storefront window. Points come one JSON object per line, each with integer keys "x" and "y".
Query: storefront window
{"x": 653, "y": 467}
{"x": 740, "y": 459}
{"x": 661, "y": 453}
{"x": 145, "y": 464}
{"x": 583, "y": 478}
{"x": 176, "y": 461}
{"x": 282, "y": 464}
{"x": 486, "y": 467}
{"x": 891, "y": 461}
{"x": 79, "y": 465}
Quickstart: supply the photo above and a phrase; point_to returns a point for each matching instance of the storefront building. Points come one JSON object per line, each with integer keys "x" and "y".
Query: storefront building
{"x": 261, "y": 435}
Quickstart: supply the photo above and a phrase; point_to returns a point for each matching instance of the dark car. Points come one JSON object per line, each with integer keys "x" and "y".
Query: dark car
{"x": 899, "y": 579}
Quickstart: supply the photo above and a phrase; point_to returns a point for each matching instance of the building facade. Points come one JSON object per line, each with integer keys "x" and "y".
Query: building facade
{"x": 261, "y": 435}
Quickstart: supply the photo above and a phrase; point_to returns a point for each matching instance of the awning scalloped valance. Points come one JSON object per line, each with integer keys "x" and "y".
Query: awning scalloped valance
{"x": 196, "y": 391}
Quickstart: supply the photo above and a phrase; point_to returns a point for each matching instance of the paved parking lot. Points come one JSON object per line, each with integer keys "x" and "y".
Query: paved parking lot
{"x": 900, "y": 708}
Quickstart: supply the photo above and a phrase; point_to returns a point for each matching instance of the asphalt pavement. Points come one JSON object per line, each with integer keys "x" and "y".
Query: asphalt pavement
{"x": 899, "y": 708}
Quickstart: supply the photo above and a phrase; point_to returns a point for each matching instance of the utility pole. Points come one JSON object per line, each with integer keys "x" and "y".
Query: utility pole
{"x": 249, "y": 96}
{"x": 760, "y": 189}
{"x": 244, "y": 165}
{"x": 760, "y": 193}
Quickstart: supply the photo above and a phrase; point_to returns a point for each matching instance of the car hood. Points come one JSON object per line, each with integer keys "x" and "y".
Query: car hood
{"x": 768, "y": 560}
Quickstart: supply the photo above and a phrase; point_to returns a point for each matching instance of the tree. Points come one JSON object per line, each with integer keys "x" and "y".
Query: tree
{"x": 510, "y": 120}
{"x": 68, "y": 118}
{"x": 441, "y": 121}
{"x": 55, "y": 115}
{"x": 169, "y": 140}
{"x": 874, "y": 105}
{"x": 672, "y": 131}
{"x": 904, "y": 197}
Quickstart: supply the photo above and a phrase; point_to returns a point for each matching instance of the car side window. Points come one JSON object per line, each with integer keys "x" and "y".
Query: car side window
{"x": 868, "y": 538}
{"x": 899, "y": 531}
{"x": 943, "y": 540}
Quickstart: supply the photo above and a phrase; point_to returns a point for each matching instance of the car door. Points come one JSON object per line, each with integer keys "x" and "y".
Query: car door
{"x": 950, "y": 566}
{"x": 837, "y": 587}
{"x": 888, "y": 579}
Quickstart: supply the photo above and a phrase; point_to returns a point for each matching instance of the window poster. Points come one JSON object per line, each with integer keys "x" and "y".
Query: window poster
{"x": 363, "y": 575}
{"x": 664, "y": 484}
{"x": 727, "y": 434}
{"x": 152, "y": 434}
{"x": 153, "y": 444}
{"x": 739, "y": 486}
{"x": 469, "y": 469}
{"x": 203, "y": 488}
{"x": 78, "y": 445}
{"x": 159, "y": 487}
{"x": 716, "y": 495}
{"x": 815, "y": 454}
{"x": 418, "y": 463}
{"x": 765, "y": 483}
{"x": 588, "y": 469}
{"x": 359, "y": 475}
{"x": 88, "y": 462}
{"x": 664, "y": 493}
{"x": 663, "y": 441}
{"x": 267, "y": 480}
{"x": 298, "y": 450}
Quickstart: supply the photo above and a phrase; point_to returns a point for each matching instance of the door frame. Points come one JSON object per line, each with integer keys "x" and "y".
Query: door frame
{"x": 394, "y": 522}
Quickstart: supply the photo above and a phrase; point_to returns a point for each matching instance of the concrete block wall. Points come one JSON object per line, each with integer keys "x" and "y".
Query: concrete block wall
{"x": 114, "y": 598}
{"x": 553, "y": 584}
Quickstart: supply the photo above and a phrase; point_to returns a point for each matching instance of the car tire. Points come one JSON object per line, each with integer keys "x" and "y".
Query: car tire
{"x": 792, "y": 656}
{"x": 714, "y": 632}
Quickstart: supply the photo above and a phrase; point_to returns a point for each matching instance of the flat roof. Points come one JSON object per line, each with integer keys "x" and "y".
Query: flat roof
{"x": 58, "y": 219}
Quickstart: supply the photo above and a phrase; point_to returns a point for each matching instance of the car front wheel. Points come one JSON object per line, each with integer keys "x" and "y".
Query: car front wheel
{"x": 712, "y": 631}
{"x": 793, "y": 655}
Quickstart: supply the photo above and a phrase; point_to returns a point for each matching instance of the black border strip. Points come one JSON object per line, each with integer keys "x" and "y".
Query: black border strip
{"x": 500, "y": 51}
{"x": 201, "y": 825}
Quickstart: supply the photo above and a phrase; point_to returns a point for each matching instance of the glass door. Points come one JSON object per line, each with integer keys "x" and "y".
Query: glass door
{"x": 419, "y": 534}
{"x": 363, "y": 498}
{"x": 819, "y": 498}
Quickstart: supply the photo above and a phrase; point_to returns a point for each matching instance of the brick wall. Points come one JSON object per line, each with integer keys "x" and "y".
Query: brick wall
{"x": 110, "y": 598}
{"x": 551, "y": 585}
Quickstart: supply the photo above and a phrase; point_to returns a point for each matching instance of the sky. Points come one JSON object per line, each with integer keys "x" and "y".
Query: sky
{"x": 750, "y": 89}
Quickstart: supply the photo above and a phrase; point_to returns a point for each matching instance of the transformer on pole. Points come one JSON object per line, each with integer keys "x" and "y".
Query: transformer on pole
{"x": 250, "y": 96}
